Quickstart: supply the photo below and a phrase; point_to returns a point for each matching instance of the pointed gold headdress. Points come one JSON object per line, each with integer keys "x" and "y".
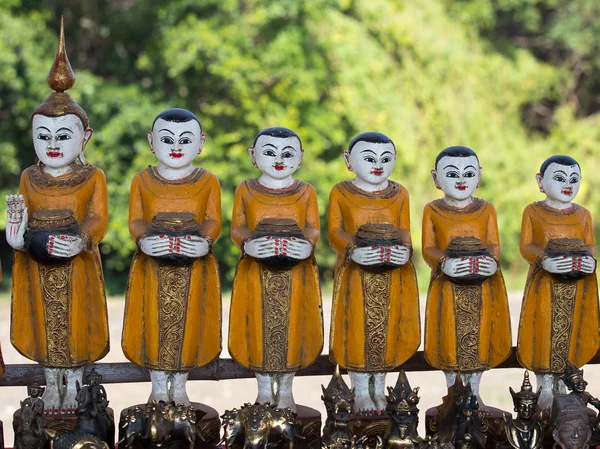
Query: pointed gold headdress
{"x": 61, "y": 78}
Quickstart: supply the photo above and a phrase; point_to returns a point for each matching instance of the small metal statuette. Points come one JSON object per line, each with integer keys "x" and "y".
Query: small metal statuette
{"x": 29, "y": 431}
{"x": 525, "y": 431}
{"x": 258, "y": 426}
{"x": 573, "y": 379}
{"x": 402, "y": 407}
{"x": 571, "y": 425}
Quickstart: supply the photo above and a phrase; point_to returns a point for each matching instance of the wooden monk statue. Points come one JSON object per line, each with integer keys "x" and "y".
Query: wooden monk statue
{"x": 55, "y": 224}
{"x": 559, "y": 317}
{"x": 173, "y": 300}
{"x": 276, "y": 323}
{"x": 467, "y": 325}
{"x": 375, "y": 323}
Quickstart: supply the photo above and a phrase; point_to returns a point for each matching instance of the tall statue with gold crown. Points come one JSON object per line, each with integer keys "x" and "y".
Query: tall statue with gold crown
{"x": 55, "y": 223}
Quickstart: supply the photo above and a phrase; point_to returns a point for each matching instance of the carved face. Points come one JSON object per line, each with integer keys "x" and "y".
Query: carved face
{"x": 573, "y": 434}
{"x": 59, "y": 140}
{"x": 371, "y": 162}
{"x": 560, "y": 182}
{"x": 526, "y": 409}
{"x": 578, "y": 384}
{"x": 458, "y": 177}
{"x": 176, "y": 144}
{"x": 277, "y": 158}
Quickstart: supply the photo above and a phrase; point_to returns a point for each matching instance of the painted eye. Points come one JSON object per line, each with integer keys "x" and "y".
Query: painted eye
{"x": 287, "y": 155}
{"x": 167, "y": 140}
{"x": 559, "y": 178}
{"x": 469, "y": 174}
{"x": 386, "y": 159}
{"x": 185, "y": 141}
{"x": 574, "y": 180}
{"x": 452, "y": 174}
{"x": 43, "y": 137}
{"x": 269, "y": 153}
{"x": 62, "y": 137}
{"x": 370, "y": 159}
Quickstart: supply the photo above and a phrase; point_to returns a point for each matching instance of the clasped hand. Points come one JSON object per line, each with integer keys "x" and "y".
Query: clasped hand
{"x": 269, "y": 246}
{"x": 373, "y": 255}
{"x": 464, "y": 266}
{"x": 189, "y": 245}
{"x": 567, "y": 264}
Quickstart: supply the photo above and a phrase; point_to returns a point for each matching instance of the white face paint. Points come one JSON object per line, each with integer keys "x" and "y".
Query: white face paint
{"x": 371, "y": 162}
{"x": 176, "y": 144}
{"x": 58, "y": 140}
{"x": 560, "y": 183}
{"x": 278, "y": 158}
{"x": 458, "y": 177}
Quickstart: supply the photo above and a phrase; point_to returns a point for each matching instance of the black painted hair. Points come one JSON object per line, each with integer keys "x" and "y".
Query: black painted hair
{"x": 559, "y": 159}
{"x": 279, "y": 132}
{"x": 371, "y": 137}
{"x": 177, "y": 115}
{"x": 455, "y": 151}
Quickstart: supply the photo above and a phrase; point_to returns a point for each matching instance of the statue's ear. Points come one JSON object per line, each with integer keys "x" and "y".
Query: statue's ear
{"x": 435, "y": 179}
{"x": 252, "y": 156}
{"x": 347, "y": 160}
{"x": 539, "y": 179}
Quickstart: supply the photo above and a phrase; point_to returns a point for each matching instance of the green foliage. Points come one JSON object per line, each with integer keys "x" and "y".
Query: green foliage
{"x": 428, "y": 73}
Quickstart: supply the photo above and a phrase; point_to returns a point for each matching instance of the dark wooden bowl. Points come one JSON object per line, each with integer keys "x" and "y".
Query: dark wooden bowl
{"x": 42, "y": 225}
{"x": 278, "y": 228}
{"x": 174, "y": 224}
{"x": 377, "y": 234}
{"x": 467, "y": 247}
{"x": 570, "y": 248}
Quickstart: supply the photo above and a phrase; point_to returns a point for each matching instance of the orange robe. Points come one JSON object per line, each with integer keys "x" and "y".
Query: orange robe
{"x": 375, "y": 316}
{"x": 559, "y": 319}
{"x": 276, "y": 321}
{"x": 59, "y": 316}
{"x": 467, "y": 327}
{"x": 173, "y": 312}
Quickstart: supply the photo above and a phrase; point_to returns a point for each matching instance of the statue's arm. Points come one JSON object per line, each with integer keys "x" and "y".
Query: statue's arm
{"x": 137, "y": 225}
{"x": 95, "y": 224}
{"x": 431, "y": 253}
{"x": 529, "y": 250}
{"x": 239, "y": 228}
{"x": 212, "y": 224}
{"x": 312, "y": 228}
{"x": 339, "y": 239}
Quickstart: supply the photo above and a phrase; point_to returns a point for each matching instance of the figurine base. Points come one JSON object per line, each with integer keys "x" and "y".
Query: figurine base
{"x": 310, "y": 419}
{"x": 371, "y": 426}
{"x": 208, "y": 423}
{"x": 61, "y": 423}
{"x": 493, "y": 425}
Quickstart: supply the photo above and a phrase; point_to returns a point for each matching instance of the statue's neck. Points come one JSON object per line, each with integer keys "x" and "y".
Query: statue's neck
{"x": 272, "y": 183}
{"x": 557, "y": 204}
{"x": 458, "y": 203}
{"x": 55, "y": 172}
{"x": 173, "y": 174}
{"x": 367, "y": 187}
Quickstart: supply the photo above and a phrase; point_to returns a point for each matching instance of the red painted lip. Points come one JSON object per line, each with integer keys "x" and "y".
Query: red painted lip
{"x": 377, "y": 172}
{"x": 53, "y": 153}
{"x": 176, "y": 155}
{"x": 461, "y": 187}
{"x": 279, "y": 167}
{"x": 567, "y": 192}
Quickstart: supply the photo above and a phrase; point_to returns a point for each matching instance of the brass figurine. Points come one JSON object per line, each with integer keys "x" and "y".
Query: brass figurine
{"x": 258, "y": 426}
{"x": 402, "y": 407}
{"x": 525, "y": 431}
{"x": 571, "y": 426}
{"x": 29, "y": 430}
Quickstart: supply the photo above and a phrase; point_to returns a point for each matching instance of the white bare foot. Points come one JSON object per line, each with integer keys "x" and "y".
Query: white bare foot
{"x": 363, "y": 404}
{"x": 547, "y": 395}
{"x": 265, "y": 390}
{"x": 286, "y": 394}
{"x": 160, "y": 386}
{"x": 51, "y": 396}
{"x": 179, "y": 395}
{"x": 72, "y": 377}
{"x": 379, "y": 391}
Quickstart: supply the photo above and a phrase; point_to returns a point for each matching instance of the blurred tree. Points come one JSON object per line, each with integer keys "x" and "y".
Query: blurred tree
{"x": 427, "y": 73}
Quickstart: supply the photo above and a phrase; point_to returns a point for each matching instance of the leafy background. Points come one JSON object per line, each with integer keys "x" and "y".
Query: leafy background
{"x": 516, "y": 80}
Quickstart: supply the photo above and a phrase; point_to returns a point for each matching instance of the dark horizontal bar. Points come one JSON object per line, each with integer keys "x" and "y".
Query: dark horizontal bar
{"x": 219, "y": 369}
